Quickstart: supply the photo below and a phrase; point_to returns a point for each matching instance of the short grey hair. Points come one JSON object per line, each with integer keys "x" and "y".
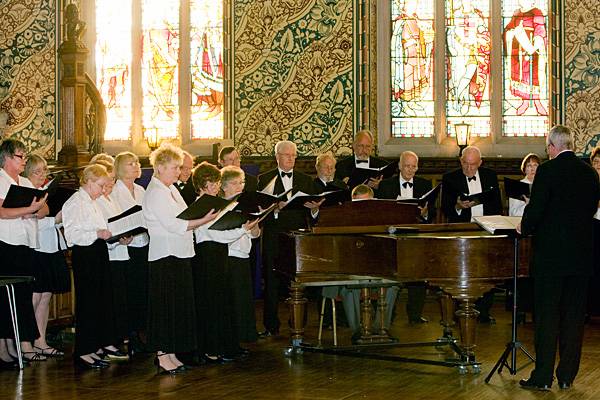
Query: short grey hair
{"x": 363, "y": 132}
{"x": 8, "y": 149}
{"x": 322, "y": 157}
{"x": 560, "y": 137}
{"x": 408, "y": 153}
{"x": 285, "y": 143}
{"x": 469, "y": 149}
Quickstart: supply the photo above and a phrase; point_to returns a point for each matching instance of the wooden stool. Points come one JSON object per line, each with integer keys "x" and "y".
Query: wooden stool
{"x": 333, "y": 317}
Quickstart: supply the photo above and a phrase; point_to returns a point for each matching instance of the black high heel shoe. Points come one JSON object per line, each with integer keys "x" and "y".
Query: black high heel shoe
{"x": 96, "y": 364}
{"x": 160, "y": 370}
{"x": 6, "y": 365}
{"x": 212, "y": 359}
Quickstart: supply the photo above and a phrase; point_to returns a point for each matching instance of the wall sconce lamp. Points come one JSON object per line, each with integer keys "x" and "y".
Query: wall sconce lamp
{"x": 463, "y": 135}
{"x": 152, "y": 137}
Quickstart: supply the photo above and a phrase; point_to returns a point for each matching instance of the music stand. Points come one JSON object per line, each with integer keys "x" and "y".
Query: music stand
{"x": 514, "y": 345}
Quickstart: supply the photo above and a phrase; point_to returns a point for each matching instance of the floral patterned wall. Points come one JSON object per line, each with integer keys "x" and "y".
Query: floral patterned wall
{"x": 27, "y": 72}
{"x": 582, "y": 76}
{"x": 293, "y": 75}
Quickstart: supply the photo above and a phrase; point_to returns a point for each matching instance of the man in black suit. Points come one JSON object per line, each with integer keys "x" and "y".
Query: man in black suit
{"x": 230, "y": 156}
{"x": 363, "y": 147}
{"x": 325, "y": 180}
{"x": 407, "y": 185}
{"x": 184, "y": 184}
{"x": 472, "y": 178}
{"x": 564, "y": 198}
{"x": 276, "y": 182}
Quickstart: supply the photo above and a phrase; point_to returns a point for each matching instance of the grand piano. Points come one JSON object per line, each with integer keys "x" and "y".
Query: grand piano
{"x": 371, "y": 241}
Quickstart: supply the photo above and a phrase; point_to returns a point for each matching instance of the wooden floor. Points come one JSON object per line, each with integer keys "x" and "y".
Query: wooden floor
{"x": 268, "y": 374}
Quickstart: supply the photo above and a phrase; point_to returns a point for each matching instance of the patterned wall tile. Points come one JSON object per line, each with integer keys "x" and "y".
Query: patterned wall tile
{"x": 293, "y": 75}
{"x": 582, "y": 72}
{"x": 27, "y": 71}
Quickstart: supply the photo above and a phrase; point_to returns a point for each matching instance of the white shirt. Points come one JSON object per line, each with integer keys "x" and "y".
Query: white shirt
{"x": 516, "y": 206}
{"x": 362, "y": 164}
{"x": 17, "y": 231}
{"x": 82, "y": 219}
{"x": 241, "y": 247}
{"x": 406, "y": 192}
{"x": 168, "y": 234}
{"x": 288, "y": 182}
{"x": 110, "y": 208}
{"x": 50, "y": 237}
{"x": 123, "y": 197}
{"x": 203, "y": 234}
{"x": 474, "y": 188}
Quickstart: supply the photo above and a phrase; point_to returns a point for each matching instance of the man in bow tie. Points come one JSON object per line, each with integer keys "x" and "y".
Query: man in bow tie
{"x": 363, "y": 147}
{"x": 325, "y": 180}
{"x": 472, "y": 178}
{"x": 230, "y": 156}
{"x": 184, "y": 184}
{"x": 278, "y": 181}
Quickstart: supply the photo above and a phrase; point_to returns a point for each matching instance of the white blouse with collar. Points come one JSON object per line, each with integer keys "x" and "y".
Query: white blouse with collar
{"x": 168, "y": 234}
{"x": 516, "y": 207}
{"x": 123, "y": 197}
{"x": 110, "y": 208}
{"x": 50, "y": 237}
{"x": 17, "y": 231}
{"x": 82, "y": 219}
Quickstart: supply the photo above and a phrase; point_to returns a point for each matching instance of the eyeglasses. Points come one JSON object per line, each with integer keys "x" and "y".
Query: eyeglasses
{"x": 21, "y": 156}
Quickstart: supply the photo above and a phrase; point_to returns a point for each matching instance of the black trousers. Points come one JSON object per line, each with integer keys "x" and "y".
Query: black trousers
{"x": 560, "y": 303}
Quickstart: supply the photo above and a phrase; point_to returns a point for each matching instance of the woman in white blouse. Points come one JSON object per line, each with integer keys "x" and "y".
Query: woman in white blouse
{"x": 171, "y": 305}
{"x": 217, "y": 338}
{"x": 119, "y": 261}
{"x": 128, "y": 194}
{"x": 232, "y": 183}
{"x": 528, "y": 166}
{"x": 50, "y": 267}
{"x": 86, "y": 233}
{"x": 18, "y": 238}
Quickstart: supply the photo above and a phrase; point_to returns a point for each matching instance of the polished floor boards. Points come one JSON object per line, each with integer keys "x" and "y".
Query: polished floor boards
{"x": 268, "y": 374}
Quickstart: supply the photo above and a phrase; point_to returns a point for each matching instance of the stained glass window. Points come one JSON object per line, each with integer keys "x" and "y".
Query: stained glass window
{"x": 113, "y": 65}
{"x": 412, "y": 68}
{"x": 159, "y": 77}
{"x": 525, "y": 39}
{"x": 206, "y": 52}
{"x": 468, "y": 75}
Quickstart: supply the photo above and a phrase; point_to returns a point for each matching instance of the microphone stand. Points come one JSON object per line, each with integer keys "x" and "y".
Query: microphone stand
{"x": 514, "y": 345}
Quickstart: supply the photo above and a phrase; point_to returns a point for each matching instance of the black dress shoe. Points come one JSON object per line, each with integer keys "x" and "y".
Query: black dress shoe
{"x": 418, "y": 320}
{"x": 96, "y": 364}
{"x": 268, "y": 333}
{"x": 115, "y": 354}
{"x": 565, "y": 385}
{"x": 208, "y": 359}
{"x": 530, "y": 384}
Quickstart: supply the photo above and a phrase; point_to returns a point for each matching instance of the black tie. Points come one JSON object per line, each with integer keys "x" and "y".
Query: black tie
{"x": 407, "y": 184}
{"x": 362, "y": 161}
{"x": 473, "y": 178}
{"x": 181, "y": 185}
{"x": 288, "y": 174}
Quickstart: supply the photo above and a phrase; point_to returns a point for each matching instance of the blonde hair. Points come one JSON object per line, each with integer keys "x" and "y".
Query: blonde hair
{"x": 230, "y": 173}
{"x": 93, "y": 173}
{"x": 121, "y": 160}
{"x": 109, "y": 167}
{"x": 165, "y": 154}
{"x": 102, "y": 157}
{"x": 322, "y": 157}
{"x": 33, "y": 161}
{"x": 362, "y": 190}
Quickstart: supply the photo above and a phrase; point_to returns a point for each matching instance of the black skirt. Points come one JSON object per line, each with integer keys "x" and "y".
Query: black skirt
{"x": 244, "y": 320}
{"x": 94, "y": 319}
{"x": 171, "y": 308}
{"x": 214, "y": 305}
{"x": 137, "y": 287}
{"x": 17, "y": 261}
{"x": 118, "y": 277}
{"x": 51, "y": 273}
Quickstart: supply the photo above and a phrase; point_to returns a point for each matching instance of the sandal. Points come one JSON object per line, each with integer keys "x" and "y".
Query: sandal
{"x": 34, "y": 356}
{"x": 49, "y": 351}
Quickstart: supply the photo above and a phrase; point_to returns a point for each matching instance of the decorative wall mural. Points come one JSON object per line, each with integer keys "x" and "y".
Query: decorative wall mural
{"x": 27, "y": 72}
{"x": 293, "y": 75}
{"x": 582, "y": 70}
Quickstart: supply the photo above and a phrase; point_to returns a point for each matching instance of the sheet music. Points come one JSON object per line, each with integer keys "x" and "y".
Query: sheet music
{"x": 128, "y": 223}
{"x": 270, "y": 188}
{"x": 492, "y": 223}
{"x": 224, "y": 211}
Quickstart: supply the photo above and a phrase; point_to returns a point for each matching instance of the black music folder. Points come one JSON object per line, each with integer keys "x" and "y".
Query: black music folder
{"x": 299, "y": 198}
{"x": 480, "y": 198}
{"x": 129, "y": 223}
{"x": 202, "y": 206}
{"x": 21, "y": 196}
{"x": 58, "y": 199}
{"x": 362, "y": 175}
{"x": 249, "y": 202}
{"x": 428, "y": 198}
{"x": 516, "y": 189}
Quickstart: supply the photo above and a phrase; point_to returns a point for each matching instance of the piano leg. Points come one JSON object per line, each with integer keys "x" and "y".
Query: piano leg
{"x": 467, "y": 315}
{"x": 382, "y": 306}
{"x": 297, "y": 303}
{"x": 447, "y": 312}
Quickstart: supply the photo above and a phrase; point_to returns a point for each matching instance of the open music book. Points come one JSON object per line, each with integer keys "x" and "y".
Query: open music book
{"x": 129, "y": 223}
{"x": 249, "y": 202}
{"x": 22, "y": 196}
{"x": 299, "y": 198}
{"x": 428, "y": 198}
{"x": 498, "y": 224}
{"x": 362, "y": 175}
{"x": 202, "y": 205}
{"x": 516, "y": 189}
{"x": 480, "y": 198}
